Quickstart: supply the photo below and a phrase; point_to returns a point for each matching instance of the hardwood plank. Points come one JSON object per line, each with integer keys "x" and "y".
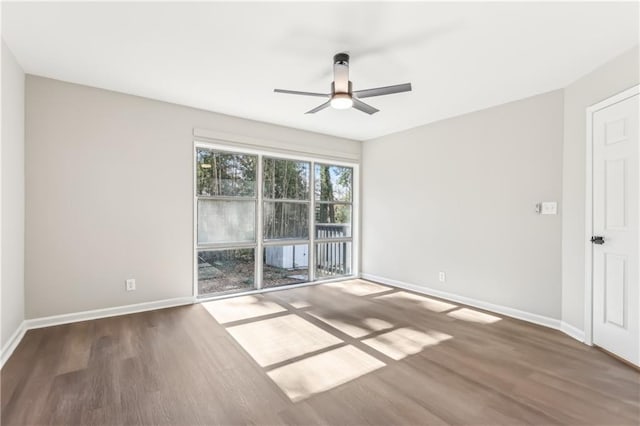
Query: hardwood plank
{"x": 346, "y": 353}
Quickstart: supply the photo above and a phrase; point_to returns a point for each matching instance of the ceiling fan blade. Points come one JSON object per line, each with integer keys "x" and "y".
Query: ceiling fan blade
{"x": 381, "y": 91}
{"x": 295, "y": 92}
{"x": 361, "y": 106}
{"x": 319, "y": 108}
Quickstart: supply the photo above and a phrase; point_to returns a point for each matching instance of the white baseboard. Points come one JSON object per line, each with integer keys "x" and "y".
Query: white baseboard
{"x": 84, "y": 316}
{"x": 12, "y": 343}
{"x": 17, "y": 336}
{"x": 572, "y": 331}
{"x": 504, "y": 310}
{"x": 106, "y": 312}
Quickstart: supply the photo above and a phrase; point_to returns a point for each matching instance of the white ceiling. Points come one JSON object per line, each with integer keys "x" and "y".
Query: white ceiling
{"x": 228, "y": 57}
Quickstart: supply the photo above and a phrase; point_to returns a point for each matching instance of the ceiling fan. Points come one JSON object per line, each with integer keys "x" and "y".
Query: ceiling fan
{"x": 341, "y": 96}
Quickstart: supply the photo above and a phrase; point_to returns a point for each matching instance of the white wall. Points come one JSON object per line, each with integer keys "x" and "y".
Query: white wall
{"x": 459, "y": 195}
{"x": 12, "y": 229}
{"x": 462, "y": 196}
{"x": 110, "y": 193}
{"x": 609, "y": 79}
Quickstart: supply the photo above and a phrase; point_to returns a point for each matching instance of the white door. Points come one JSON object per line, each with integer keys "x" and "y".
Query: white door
{"x": 616, "y": 184}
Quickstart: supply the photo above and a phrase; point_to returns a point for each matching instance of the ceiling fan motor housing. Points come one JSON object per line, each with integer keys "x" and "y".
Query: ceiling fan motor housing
{"x": 341, "y": 58}
{"x": 341, "y": 83}
{"x": 333, "y": 88}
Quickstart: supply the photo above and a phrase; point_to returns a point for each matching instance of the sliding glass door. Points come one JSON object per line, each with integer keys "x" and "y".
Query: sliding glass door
{"x": 265, "y": 221}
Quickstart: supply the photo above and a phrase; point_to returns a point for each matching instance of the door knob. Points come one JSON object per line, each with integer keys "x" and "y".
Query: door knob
{"x": 597, "y": 240}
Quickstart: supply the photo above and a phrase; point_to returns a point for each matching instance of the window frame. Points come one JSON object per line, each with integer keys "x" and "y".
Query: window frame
{"x": 260, "y": 242}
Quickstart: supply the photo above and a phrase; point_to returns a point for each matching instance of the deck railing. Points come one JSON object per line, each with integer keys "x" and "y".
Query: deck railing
{"x": 333, "y": 258}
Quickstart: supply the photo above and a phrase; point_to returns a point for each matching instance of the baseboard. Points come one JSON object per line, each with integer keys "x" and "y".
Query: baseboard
{"x": 12, "y": 343}
{"x": 572, "y": 331}
{"x": 17, "y": 336}
{"x": 106, "y": 312}
{"x": 499, "y": 309}
{"x": 85, "y": 316}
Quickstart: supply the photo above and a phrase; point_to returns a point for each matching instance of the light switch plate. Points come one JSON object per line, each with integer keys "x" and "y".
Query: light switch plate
{"x": 549, "y": 207}
{"x": 130, "y": 284}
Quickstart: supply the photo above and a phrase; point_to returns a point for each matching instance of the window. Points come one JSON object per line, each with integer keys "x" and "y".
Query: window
{"x": 226, "y": 193}
{"x": 286, "y": 218}
{"x": 333, "y": 218}
{"x": 265, "y": 222}
{"x": 285, "y": 264}
{"x": 222, "y": 271}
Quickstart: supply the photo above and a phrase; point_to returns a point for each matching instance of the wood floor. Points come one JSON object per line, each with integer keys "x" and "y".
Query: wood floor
{"x": 349, "y": 353}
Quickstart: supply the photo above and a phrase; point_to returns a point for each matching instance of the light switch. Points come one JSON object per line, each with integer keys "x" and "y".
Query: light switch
{"x": 130, "y": 284}
{"x": 549, "y": 207}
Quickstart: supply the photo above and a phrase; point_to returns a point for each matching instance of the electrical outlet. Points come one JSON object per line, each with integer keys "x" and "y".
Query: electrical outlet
{"x": 130, "y": 284}
{"x": 442, "y": 277}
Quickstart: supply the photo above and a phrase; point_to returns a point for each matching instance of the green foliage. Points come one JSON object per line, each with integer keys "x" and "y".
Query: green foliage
{"x": 345, "y": 181}
{"x": 223, "y": 174}
{"x": 333, "y": 184}
{"x": 286, "y": 220}
{"x": 285, "y": 179}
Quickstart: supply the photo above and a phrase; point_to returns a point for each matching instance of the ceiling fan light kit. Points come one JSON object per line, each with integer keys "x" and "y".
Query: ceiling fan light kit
{"x": 342, "y": 96}
{"x": 341, "y": 101}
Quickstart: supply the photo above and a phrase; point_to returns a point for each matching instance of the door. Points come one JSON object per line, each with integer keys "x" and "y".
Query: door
{"x": 616, "y": 298}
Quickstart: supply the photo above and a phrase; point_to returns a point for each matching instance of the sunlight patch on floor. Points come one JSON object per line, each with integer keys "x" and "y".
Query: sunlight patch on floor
{"x": 302, "y": 379}
{"x": 279, "y": 339}
{"x": 354, "y": 327}
{"x": 240, "y": 308}
{"x": 299, "y": 304}
{"x": 298, "y": 298}
{"x": 426, "y": 302}
{"x": 400, "y": 343}
{"x": 466, "y": 314}
{"x": 358, "y": 287}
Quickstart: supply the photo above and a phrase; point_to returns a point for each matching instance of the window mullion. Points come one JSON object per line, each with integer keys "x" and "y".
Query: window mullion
{"x": 311, "y": 261}
{"x": 259, "y": 227}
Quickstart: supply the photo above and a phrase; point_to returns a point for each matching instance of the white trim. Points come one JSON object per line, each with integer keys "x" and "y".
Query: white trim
{"x": 194, "y": 225}
{"x": 107, "y": 312}
{"x": 31, "y": 324}
{"x": 588, "y": 209}
{"x": 588, "y": 232}
{"x": 266, "y": 151}
{"x": 311, "y": 258}
{"x": 258, "y": 267}
{"x": 17, "y": 336}
{"x": 356, "y": 242}
{"x": 271, "y": 145}
{"x": 572, "y": 331}
{"x": 12, "y": 343}
{"x": 619, "y": 97}
{"x": 553, "y": 323}
{"x": 499, "y": 309}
